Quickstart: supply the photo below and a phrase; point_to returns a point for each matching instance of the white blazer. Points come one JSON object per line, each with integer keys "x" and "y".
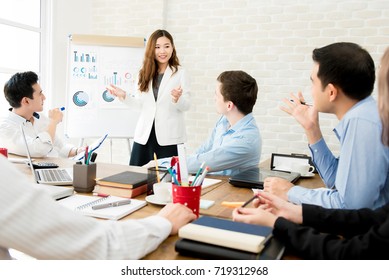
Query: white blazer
{"x": 169, "y": 117}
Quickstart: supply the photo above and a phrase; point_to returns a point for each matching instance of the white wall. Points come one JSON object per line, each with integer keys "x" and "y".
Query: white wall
{"x": 271, "y": 40}
{"x": 69, "y": 17}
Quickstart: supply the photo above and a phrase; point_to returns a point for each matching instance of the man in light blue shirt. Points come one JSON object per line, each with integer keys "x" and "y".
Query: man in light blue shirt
{"x": 235, "y": 143}
{"x": 229, "y": 149}
{"x": 342, "y": 81}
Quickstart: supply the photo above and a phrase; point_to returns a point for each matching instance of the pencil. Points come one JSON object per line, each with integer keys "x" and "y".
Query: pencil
{"x": 156, "y": 168}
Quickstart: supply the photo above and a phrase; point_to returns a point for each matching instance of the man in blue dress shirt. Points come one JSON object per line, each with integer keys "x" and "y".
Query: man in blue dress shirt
{"x": 342, "y": 82}
{"x": 235, "y": 143}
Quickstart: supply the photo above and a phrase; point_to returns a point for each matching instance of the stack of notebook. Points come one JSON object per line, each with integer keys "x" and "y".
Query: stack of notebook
{"x": 126, "y": 184}
{"x": 214, "y": 238}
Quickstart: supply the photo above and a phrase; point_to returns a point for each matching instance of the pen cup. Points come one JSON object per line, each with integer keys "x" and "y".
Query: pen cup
{"x": 84, "y": 177}
{"x": 152, "y": 173}
{"x": 188, "y": 196}
{"x": 4, "y": 152}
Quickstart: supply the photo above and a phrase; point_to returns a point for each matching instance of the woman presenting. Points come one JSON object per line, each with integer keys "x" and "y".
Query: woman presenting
{"x": 163, "y": 97}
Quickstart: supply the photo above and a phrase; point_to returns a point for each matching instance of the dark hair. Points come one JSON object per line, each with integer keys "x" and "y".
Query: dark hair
{"x": 347, "y": 66}
{"x": 149, "y": 70}
{"x": 20, "y": 86}
{"x": 239, "y": 88}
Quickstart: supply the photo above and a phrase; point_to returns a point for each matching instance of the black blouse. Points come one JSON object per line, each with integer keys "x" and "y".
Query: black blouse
{"x": 337, "y": 233}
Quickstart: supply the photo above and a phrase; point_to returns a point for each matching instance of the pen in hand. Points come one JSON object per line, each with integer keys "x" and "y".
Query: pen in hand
{"x": 112, "y": 204}
{"x": 248, "y": 201}
{"x": 301, "y": 102}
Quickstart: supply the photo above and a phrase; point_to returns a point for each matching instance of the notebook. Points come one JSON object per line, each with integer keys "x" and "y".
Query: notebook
{"x": 84, "y": 204}
{"x": 49, "y": 176}
{"x": 254, "y": 177}
{"x": 227, "y": 233}
{"x": 56, "y": 192}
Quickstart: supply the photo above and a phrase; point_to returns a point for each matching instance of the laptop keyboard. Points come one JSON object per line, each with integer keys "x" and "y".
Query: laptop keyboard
{"x": 56, "y": 175}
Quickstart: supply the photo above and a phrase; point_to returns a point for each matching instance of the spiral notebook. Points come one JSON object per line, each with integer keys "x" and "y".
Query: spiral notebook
{"x": 84, "y": 203}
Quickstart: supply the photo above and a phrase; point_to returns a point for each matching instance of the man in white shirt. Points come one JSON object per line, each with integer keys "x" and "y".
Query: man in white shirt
{"x": 33, "y": 223}
{"x": 26, "y": 98}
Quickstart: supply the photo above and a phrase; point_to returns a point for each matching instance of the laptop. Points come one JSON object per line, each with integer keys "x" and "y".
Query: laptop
{"x": 49, "y": 176}
{"x": 254, "y": 177}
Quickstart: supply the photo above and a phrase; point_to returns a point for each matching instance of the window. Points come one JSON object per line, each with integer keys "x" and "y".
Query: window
{"x": 22, "y": 29}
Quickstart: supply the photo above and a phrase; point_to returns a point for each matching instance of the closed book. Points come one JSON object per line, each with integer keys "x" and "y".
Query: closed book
{"x": 272, "y": 251}
{"x": 227, "y": 233}
{"x": 122, "y": 192}
{"x": 126, "y": 179}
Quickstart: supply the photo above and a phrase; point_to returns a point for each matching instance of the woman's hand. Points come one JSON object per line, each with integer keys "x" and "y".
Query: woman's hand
{"x": 116, "y": 91}
{"x": 176, "y": 94}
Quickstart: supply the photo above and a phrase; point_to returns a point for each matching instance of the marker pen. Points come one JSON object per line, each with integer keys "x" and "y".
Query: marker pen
{"x": 301, "y": 102}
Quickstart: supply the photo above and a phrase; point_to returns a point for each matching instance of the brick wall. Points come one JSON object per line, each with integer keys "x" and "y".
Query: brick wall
{"x": 271, "y": 40}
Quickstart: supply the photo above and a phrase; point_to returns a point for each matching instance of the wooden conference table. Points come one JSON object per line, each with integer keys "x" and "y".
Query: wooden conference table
{"x": 219, "y": 192}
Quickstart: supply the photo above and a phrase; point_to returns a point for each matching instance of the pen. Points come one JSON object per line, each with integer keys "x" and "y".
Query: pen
{"x": 248, "y": 201}
{"x": 164, "y": 175}
{"x": 301, "y": 102}
{"x": 156, "y": 168}
{"x": 89, "y": 156}
{"x": 198, "y": 173}
{"x": 112, "y": 204}
{"x": 62, "y": 108}
{"x": 200, "y": 179}
{"x": 173, "y": 176}
{"x": 101, "y": 194}
{"x": 86, "y": 155}
{"x": 93, "y": 157}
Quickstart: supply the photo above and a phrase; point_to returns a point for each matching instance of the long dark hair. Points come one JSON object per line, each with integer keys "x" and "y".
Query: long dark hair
{"x": 383, "y": 96}
{"x": 149, "y": 70}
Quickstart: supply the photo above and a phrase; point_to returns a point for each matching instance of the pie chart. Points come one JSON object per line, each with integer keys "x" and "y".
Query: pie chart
{"x": 80, "y": 98}
{"x": 108, "y": 97}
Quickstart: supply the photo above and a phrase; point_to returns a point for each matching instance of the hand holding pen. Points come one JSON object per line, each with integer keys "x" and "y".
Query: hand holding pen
{"x": 306, "y": 115}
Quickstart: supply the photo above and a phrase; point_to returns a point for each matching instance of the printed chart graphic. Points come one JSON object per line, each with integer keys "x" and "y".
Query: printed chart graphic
{"x": 107, "y": 97}
{"x": 94, "y": 63}
{"x": 80, "y": 98}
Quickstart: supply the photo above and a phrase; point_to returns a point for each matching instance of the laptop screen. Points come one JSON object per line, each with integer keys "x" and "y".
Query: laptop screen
{"x": 254, "y": 178}
{"x": 28, "y": 154}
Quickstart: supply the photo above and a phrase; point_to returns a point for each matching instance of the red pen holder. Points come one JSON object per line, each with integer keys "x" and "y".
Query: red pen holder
{"x": 188, "y": 196}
